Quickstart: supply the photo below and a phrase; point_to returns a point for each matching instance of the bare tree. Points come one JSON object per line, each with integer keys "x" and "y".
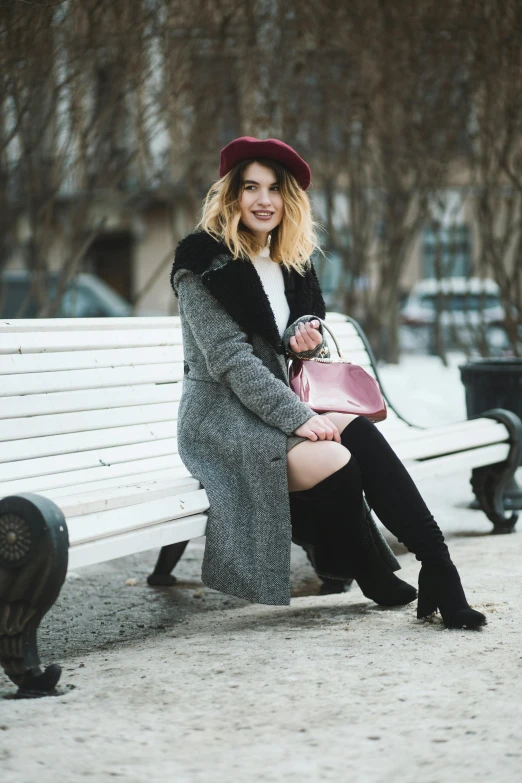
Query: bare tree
{"x": 78, "y": 124}
{"x": 387, "y": 116}
{"x": 496, "y": 162}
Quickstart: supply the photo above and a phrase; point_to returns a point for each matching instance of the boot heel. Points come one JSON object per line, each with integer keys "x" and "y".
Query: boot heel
{"x": 427, "y": 600}
{"x": 426, "y": 605}
{"x": 440, "y": 588}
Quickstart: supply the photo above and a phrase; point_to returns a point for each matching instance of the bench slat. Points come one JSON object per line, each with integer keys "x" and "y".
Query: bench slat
{"x": 94, "y": 399}
{"x": 17, "y": 363}
{"x": 81, "y": 324}
{"x": 465, "y": 460}
{"x": 89, "y": 340}
{"x": 167, "y": 474}
{"x": 85, "y": 421}
{"x": 451, "y": 431}
{"x": 392, "y": 424}
{"x": 101, "y": 524}
{"x": 152, "y": 537}
{"x": 121, "y": 471}
{"x": 106, "y": 377}
{"x": 88, "y": 459}
{"x": 341, "y": 326}
{"x": 435, "y": 444}
{"x": 76, "y": 443}
{"x": 347, "y": 343}
{"x": 121, "y": 497}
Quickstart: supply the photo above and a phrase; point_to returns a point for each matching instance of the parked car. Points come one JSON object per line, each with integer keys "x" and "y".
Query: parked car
{"x": 462, "y": 301}
{"x": 466, "y": 306}
{"x": 86, "y": 296}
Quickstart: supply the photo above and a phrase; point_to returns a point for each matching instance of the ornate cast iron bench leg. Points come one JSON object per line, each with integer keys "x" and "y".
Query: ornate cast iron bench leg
{"x": 34, "y": 546}
{"x": 167, "y": 560}
{"x": 490, "y": 481}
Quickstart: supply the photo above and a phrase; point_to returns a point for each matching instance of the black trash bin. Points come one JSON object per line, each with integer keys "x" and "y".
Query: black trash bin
{"x": 495, "y": 383}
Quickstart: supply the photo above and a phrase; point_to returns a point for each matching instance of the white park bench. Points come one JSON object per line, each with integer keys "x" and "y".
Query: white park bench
{"x": 89, "y": 469}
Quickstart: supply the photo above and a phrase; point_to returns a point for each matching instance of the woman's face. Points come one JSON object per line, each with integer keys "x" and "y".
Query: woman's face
{"x": 260, "y": 200}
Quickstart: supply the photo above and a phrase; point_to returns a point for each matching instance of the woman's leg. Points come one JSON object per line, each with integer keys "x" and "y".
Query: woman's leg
{"x": 312, "y": 461}
{"x": 330, "y": 521}
{"x": 392, "y": 494}
{"x": 306, "y": 467}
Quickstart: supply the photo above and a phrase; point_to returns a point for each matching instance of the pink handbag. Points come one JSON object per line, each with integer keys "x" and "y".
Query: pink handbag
{"x": 336, "y": 385}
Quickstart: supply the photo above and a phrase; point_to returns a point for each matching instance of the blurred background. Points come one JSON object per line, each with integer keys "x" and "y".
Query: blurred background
{"x": 112, "y": 116}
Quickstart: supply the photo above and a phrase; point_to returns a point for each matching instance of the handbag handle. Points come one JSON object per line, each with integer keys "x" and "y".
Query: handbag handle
{"x": 325, "y": 326}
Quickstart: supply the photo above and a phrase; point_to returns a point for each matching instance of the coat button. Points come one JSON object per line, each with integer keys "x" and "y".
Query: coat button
{"x": 185, "y": 367}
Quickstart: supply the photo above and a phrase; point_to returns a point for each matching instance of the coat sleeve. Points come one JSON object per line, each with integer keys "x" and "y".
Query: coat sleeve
{"x": 321, "y": 351}
{"x": 230, "y": 359}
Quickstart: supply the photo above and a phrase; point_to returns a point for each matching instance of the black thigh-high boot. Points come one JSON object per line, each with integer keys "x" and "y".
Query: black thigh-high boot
{"x": 392, "y": 494}
{"x": 339, "y": 537}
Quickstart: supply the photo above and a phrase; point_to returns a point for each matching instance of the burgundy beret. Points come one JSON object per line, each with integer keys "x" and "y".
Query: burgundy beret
{"x": 249, "y": 147}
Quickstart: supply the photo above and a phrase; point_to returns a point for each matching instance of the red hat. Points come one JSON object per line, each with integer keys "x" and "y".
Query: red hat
{"x": 248, "y": 147}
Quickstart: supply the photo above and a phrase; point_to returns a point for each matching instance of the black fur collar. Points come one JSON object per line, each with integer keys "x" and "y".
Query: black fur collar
{"x": 237, "y": 286}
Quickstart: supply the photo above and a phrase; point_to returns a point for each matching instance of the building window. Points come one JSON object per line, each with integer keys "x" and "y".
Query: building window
{"x": 446, "y": 251}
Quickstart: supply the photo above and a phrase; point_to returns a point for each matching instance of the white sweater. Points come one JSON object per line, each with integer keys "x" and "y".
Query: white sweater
{"x": 273, "y": 282}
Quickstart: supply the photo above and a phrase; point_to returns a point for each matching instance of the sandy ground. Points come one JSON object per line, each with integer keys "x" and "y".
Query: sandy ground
{"x": 191, "y": 685}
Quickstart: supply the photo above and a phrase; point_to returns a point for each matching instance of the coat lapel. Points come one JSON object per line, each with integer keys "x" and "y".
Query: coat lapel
{"x": 238, "y": 287}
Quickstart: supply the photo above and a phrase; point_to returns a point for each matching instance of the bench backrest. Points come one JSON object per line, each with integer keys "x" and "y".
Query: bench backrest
{"x": 87, "y": 399}
{"x": 84, "y": 400}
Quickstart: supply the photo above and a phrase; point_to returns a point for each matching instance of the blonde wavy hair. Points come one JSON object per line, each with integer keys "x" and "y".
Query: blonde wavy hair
{"x": 292, "y": 242}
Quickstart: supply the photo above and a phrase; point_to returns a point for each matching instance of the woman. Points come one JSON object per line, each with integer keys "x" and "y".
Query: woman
{"x": 274, "y": 470}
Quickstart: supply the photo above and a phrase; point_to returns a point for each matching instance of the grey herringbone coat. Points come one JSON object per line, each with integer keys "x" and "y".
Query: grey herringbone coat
{"x": 236, "y": 412}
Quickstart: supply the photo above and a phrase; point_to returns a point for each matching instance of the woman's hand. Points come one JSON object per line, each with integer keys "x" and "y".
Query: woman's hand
{"x": 318, "y": 428}
{"x": 306, "y": 337}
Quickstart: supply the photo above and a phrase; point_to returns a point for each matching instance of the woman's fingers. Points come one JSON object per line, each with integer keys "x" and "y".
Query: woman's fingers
{"x": 319, "y": 427}
{"x": 309, "y": 336}
{"x": 322, "y": 427}
{"x": 306, "y": 337}
{"x": 335, "y": 431}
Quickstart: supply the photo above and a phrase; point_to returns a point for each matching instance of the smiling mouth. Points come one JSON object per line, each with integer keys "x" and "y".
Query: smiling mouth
{"x": 263, "y": 215}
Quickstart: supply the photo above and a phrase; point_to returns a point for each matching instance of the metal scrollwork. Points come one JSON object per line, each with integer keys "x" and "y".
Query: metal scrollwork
{"x": 15, "y": 539}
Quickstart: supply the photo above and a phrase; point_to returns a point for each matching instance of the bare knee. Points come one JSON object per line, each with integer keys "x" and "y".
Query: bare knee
{"x": 310, "y": 462}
